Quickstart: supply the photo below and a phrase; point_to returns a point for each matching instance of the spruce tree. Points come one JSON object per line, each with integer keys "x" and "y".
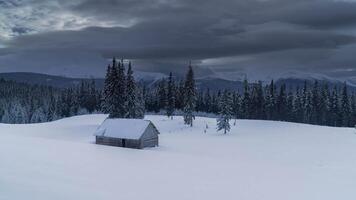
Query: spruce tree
{"x": 324, "y": 105}
{"x": 353, "y": 110}
{"x": 107, "y": 98}
{"x": 130, "y": 94}
{"x": 139, "y": 104}
{"x": 246, "y": 101}
{"x": 290, "y": 106}
{"x": 271, "y": 101}
{"x": 345, "y": 106}
{"x": 282, "y": 103}
{"x": 117, "y": 98}
{"x": 298, "y": 106}
{"x": 236, "y": 106}
{"x": 315, "y": 101}
{"x": 119, "y": 91}
{"x": 208, "y": 101}
{"x": 257, "y": 110}
{"x": 189, "y": 97}
{"x": 334, "y": 106}
{"x": 170, "y": 97}
{"x": 225, "y": 113}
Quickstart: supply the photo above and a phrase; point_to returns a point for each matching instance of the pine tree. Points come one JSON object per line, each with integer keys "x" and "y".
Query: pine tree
{"x": 246, "y": 101}
{"x": 162, "y": 94}
{"x": 270, "y": 102}
{"x": 315, "y": 102}
{"x": 290, "y": 106}
{"x": 257, "y": 110}
{"x": 180, "y": 96}
{"x": 298, "y": 106}
{"x": 345, "y": 107}
{"x": 225, "y": 113}
{"x": 139, "y": 104}
{"x": 131, "y": 94}
{"x": 170, "y": 97}
{"x": 334, "y": 117}
{"x": 307, "y": 104}
{"x": 107, "y": 98}
{"x": 189, "y": 97}
{"x": 118, "y": 85}
{"x": 353, "y": 110}
{"x": 236, "y": 106}
{"x": 92, "y": 97}
{"x": 323, "y": 105}
{"x": 208, "y": 101}
{"x": 282, "y": 103}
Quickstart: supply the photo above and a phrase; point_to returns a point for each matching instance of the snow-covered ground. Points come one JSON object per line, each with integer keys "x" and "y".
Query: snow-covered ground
{"x": 257, "y": 160}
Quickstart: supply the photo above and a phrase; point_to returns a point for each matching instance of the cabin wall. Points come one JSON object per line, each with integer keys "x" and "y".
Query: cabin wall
{"x": 118, "y": 142}
{"x": 149, "y": 137}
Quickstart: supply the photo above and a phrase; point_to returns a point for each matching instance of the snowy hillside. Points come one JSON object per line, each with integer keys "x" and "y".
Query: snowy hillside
{"x": 256, "y": 160}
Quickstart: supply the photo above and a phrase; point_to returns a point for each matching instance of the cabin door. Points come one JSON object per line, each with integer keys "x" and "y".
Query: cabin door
{"x": 123, "y": 142}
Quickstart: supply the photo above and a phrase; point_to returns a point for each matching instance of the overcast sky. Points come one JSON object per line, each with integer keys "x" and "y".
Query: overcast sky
{"x": 227, "y": 38}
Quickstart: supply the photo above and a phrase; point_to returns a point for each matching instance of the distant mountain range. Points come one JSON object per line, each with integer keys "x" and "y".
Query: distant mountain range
{"x": 148, "y": 79}
{"x": 65, "y": 82}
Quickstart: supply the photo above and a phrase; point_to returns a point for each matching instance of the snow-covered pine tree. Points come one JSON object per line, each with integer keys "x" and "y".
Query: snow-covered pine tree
{"x": 162, "y": 94}
{"x": 208, "y": 101}
{"x": 38, "y": 116}
{"x": 345, "y": 106}
{"x": 282, "y": 103}
{"x": 323, "y": 104}
{"x": 170, "y": 97}
{"x": 189, "y": 97}
{"x": 298, "y": 106}
{"x": 92, "y": 97}
{"x": 106, "y": 102}
{"x": 180, "y": 95}
{"x": 225, "y": 113}
{"x": 271, "y": 101}
{"x": 116, "y": 101}
{"x": 139, "y": 104}
{"x": 315, "y": 101}
{"x": 246, "y": 100}
{"x": 131, "y": 93}
{"x": 334, "y": 106}
{"x": 290, "y": 106}
{"x": 257, "y": 110}
{"x": 118, "y": 84}
{"x": 236, "y": 106}
{"x": 353, "y": 109}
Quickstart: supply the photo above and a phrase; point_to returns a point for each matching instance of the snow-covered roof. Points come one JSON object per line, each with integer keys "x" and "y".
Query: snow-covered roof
{"x": 122, "y": 128}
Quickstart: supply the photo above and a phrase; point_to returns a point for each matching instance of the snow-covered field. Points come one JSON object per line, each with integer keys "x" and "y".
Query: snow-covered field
{"x": 257, "y": 160}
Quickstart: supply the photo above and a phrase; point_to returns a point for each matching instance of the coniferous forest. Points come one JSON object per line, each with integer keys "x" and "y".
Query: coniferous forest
{"x": 122, "y": 97}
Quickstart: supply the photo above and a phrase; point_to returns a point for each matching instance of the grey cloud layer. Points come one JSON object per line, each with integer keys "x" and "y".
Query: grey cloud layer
{"x": 161, "y": 34}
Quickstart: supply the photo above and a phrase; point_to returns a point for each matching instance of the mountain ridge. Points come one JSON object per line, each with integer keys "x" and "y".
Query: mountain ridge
{"x": 204, "y": 83}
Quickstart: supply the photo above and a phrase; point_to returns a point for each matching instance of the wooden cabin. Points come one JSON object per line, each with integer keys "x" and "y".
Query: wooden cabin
{"x": 129, "y": 133}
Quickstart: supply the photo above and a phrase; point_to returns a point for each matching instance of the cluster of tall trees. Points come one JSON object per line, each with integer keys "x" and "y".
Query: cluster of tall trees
{"x": 312, "y": 103}
{"x": 25, "y": 103}
{"x": 122, "y": 98}
{"x": 170, "y": 97}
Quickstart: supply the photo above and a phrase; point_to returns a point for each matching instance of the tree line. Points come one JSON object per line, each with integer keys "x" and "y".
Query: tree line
{"x": 24, "y": 103}
{"x": 312, "y": 104}
{"x": 122, "y": 97}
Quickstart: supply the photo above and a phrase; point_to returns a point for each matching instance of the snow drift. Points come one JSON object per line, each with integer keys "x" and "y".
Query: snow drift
{"x": 256, "y": 160}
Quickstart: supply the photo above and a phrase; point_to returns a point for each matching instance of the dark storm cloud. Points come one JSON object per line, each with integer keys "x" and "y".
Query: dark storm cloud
{"x": 161, "y": 35}
{"x": 166, "y": 40}
{"x": 320, "y": 14}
